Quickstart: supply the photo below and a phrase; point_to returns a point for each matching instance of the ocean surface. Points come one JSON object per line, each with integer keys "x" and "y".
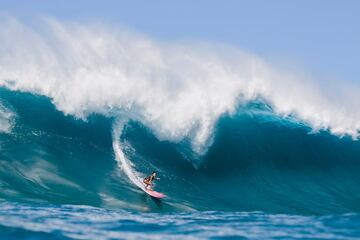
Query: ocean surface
{"x": 243, "y": 149}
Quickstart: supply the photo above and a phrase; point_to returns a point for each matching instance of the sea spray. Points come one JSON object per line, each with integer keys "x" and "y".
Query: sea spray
{"x": 178, "y": 90}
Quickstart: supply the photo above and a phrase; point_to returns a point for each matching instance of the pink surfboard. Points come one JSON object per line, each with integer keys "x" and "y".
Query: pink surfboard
{"x": 155, "y": 194}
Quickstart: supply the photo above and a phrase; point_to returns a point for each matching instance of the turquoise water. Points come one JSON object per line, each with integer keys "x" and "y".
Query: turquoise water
{"x": 263, "y": 176}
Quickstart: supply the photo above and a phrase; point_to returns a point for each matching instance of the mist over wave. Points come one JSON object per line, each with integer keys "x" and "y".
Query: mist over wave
{"x": 178, "y": 90}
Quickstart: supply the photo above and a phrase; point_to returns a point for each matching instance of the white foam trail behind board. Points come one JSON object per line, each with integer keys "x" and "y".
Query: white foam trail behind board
{"x": 121, "y": 159}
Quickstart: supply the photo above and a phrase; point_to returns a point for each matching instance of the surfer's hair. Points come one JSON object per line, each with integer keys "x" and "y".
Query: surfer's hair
{"x": 153, "y": 172}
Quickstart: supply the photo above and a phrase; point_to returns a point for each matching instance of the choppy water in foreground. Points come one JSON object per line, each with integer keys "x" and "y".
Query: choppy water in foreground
{"x": 84, "y": 222}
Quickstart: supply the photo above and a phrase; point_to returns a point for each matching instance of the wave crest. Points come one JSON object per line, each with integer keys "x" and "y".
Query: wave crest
{"x": 178, "y": 90}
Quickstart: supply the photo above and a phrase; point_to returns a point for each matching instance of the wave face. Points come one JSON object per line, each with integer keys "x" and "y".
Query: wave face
{"x": 258, "y": 162}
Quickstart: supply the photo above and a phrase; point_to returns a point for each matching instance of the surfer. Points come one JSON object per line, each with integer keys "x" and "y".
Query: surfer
{"x": 149, "y": 180}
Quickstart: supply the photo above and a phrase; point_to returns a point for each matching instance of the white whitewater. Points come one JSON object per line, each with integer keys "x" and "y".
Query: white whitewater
{"x": 6, "y": 119}
{"x": 124, "y": 163}
{"x": 177, "y": 90}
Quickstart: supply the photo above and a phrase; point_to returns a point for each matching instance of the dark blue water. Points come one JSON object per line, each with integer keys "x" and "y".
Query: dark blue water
{"x": 263, "y": 177}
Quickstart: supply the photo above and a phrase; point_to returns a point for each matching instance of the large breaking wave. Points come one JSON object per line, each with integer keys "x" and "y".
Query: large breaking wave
{"x": 224, "y": 128}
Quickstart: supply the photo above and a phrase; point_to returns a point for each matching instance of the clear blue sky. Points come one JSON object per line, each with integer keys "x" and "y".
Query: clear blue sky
{"x": 323, "y": 37}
